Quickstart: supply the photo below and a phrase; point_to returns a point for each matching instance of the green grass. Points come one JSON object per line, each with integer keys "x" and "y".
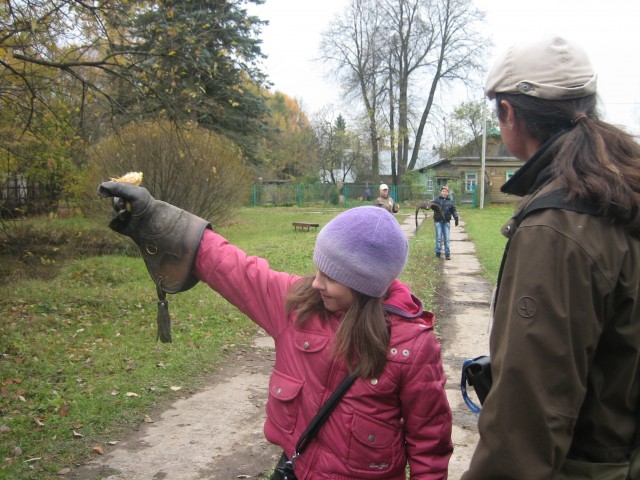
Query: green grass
{"x": 77, "y": 335}
{"x": 420, "y": 272}
{"x": 483, "y": 228}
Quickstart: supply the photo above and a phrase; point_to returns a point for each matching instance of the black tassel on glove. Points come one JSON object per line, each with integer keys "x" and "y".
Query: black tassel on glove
{"x": 164, "y": 319}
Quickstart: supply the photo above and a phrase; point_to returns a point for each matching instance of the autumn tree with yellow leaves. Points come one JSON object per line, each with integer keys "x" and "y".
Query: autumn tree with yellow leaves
{"x": 72, "y": 72}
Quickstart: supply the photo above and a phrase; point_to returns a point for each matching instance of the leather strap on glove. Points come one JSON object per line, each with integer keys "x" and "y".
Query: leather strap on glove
{"x": 168, "y": 239}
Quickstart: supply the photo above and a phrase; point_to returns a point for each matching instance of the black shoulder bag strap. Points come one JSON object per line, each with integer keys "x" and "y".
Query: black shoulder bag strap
{"x": 287, "y": 471}
{"x": 553, "y": 199}
{"x": 322, "y": 415}
{"x": 556, "y": 199}
{"x": 312, "y": 429}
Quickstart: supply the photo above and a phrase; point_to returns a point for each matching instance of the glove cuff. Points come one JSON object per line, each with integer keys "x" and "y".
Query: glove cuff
{"x": 169, "y": 246}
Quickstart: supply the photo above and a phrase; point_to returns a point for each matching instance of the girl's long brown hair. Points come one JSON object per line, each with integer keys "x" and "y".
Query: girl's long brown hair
{"x": 362, "y": 338}
{"x": 600, "y": 163}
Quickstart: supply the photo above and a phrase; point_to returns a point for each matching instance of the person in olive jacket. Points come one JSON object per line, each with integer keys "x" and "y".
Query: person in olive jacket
{"x": 565, "y": 339}
{"x": 441, "y": 221}
{"x": 385, "y": 200}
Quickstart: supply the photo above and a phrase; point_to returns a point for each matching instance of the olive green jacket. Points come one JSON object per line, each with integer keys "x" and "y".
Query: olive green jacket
{"x": 387, "y": 203}
{"x": 565, "y": 345}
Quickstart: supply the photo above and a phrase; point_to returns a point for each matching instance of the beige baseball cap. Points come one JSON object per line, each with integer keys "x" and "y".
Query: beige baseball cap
{"x": 551, "y": 68}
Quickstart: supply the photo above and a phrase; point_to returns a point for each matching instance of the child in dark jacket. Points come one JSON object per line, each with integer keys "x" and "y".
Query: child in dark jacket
{"x": 441, "y": 221}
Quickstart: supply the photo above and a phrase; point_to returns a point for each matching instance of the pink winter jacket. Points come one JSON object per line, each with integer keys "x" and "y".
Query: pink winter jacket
{"x": 381, "y": 423}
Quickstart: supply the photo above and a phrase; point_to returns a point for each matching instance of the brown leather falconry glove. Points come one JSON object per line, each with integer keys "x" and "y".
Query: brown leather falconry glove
{"x": 168, "y": 239}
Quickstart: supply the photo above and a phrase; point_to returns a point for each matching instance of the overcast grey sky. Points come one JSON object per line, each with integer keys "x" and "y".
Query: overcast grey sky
{"x": 609, "y": 31}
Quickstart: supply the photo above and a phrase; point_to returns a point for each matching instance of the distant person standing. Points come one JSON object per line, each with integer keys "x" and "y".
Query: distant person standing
{"x": 385, "y": 201}
{"x": 441, "y": 221}
{"x": 367, "y": 194}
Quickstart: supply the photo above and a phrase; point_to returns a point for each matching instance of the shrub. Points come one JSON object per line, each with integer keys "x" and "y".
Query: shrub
{"x": 187, "y": 166}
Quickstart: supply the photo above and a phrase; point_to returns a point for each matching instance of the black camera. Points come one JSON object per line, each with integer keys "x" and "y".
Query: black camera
{"x": 476, "y": 373}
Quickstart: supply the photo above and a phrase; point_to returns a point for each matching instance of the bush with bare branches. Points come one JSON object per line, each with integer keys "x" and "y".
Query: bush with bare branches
{"x": 187, "y": 166}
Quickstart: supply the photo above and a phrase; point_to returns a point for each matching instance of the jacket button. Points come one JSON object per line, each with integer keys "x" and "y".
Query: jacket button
{"x": 374, "y": 381}
{"x": 278, "y": 390}
{"x": 405, "y": 353}
{"x": 372, "y": 438}
{"x": 394, "y": 351}
{"x": 305, "y": 345}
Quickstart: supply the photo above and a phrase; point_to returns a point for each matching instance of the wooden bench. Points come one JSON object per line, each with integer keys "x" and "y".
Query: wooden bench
{"x": 305, "y": 225}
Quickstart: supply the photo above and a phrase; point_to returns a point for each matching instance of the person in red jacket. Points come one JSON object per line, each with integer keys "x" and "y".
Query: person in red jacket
{"x": 351, "y": 317}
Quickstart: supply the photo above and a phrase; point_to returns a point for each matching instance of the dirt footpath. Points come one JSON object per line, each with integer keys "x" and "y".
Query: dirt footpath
{"x": 462, "y": 311}
{"x": 217, "y": 433}
{"x": 213, "y": 434}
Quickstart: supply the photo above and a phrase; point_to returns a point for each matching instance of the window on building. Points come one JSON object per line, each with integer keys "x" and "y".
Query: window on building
{"x": 429, "y": 184}
{"x": 470, "y": 181}
{"x": 508, "y": 174}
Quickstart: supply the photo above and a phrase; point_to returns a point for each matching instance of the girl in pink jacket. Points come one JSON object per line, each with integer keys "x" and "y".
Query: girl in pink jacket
{"x": 352, "y": 316}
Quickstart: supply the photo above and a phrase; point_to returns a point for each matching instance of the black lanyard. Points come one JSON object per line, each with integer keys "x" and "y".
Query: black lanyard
{"x": 287, "y": 471}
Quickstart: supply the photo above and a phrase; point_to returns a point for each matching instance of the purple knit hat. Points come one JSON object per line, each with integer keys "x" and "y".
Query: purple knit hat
{"x": 363, "y": 248}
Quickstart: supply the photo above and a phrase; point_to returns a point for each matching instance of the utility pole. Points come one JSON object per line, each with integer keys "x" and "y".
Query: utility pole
{"x": 483, "y": 153}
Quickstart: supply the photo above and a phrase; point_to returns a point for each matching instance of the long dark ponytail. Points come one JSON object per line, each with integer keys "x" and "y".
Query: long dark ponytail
{"x": 599, "y": 162}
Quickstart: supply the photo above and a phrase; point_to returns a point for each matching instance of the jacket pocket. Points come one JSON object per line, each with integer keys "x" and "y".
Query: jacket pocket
{"x": 373, "y": 445}
{"x": 284, "y": 400}
{"x": 310, "y": 342}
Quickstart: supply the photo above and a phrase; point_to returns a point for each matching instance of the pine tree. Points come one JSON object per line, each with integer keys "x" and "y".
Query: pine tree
{"x": 203, "y": 56}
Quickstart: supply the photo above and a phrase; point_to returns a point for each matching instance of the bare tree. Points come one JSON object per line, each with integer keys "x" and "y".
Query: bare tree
{"x": 412, "y": 38}
{"x": 388, "y": 50}
{"x": 460, "y": 133}
{"x": 351, "y": 45}
{"x": 328, "y": 143}
{"x": 455, "y": 52}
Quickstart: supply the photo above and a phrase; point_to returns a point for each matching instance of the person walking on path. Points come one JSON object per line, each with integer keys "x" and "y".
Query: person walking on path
{"x": 565, "y": 340}
{"x": 353, "y": 317}
{"x": 385, "y": 201}
{"x": 441, "y": 221}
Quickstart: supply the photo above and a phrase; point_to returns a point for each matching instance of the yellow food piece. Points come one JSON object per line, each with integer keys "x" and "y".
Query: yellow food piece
{"x": 132, "y": 178}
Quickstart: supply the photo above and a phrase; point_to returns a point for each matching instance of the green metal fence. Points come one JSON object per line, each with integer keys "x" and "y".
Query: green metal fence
{"x": 329, "y": 194}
